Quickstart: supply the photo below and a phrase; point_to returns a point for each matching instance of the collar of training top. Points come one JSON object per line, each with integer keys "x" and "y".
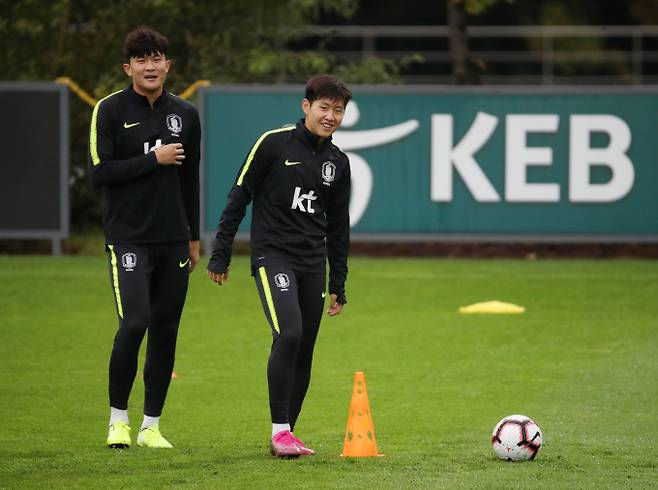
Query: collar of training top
{"x": 141, "y": 98}
{"x": 312, "y": 140}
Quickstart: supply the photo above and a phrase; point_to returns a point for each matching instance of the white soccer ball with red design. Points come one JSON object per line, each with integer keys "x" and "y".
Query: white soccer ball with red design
{"x": 516, "y": 438}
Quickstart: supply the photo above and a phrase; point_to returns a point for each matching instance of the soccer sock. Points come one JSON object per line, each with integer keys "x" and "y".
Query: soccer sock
{"x": 118, "y": 415}
{"x": 276, "y": 428}
{"x": 150, "y": 421}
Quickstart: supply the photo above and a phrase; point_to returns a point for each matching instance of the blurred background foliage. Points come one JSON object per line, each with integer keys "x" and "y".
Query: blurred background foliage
{"x": 226, "y": 42}
{"x": 247, "y": 41}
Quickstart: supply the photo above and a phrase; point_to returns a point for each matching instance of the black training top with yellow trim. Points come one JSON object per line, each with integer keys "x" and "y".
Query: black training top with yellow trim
{"x": 144, "y": 202}
{"x": 300, "y": 187}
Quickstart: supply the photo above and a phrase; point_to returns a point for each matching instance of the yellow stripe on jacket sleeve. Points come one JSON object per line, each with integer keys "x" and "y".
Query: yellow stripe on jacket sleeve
{"x": 250, "y": 157}
{"x": 268, "y": 298}
{"x": 115, "y": 280}
{"x": 93, "y": 131}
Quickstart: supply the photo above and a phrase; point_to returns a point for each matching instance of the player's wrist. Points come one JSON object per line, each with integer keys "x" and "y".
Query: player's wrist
{"x": 216, "y": 267}
{"x": 152, "y": 158}
{"x": 340, "y": 297}
{"x": 160, "y": 158}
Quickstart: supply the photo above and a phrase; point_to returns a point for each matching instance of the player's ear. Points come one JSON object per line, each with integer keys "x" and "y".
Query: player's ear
{"x": 168, "y": 65}
{"x": 127, "y": 70}
{"x": 306, "y": 106}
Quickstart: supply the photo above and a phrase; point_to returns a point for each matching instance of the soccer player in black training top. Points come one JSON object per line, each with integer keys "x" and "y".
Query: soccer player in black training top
{"x": 299, "y": 182}
{"x": 144, "y": 149}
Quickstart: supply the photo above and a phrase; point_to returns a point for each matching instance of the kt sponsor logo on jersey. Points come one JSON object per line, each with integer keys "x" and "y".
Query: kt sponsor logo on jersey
{"x": 299, "y": 199}
{"x": 148, "y": 147}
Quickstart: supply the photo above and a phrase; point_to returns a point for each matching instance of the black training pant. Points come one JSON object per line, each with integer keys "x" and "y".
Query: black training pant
{"x": 293, "y": 303}
{"x": 149, "y": 283}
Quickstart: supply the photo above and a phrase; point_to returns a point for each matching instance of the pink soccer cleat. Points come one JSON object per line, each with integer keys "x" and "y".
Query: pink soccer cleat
{"x": 284, "y": 445}
{"x": 305, "y": 451}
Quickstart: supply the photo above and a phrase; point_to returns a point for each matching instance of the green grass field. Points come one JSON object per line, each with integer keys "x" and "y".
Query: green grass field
{"x": 582, "y": 361}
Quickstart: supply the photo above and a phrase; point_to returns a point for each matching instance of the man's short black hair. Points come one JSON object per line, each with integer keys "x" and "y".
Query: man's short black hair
{"x": 327, "y": 87}
{"x": 144, "y": 41}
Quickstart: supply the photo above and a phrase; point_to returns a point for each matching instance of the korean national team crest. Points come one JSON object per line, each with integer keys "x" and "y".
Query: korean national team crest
{"x": 129, "y": 261}
{"x": 328, "y": 172}
{"x": 282, "y": 281}
{"x": 174, "y": 124}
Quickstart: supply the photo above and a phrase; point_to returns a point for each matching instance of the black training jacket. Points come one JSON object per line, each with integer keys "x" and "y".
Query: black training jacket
{"x": 144, "y": 202}
{"x": 301, "y": 193}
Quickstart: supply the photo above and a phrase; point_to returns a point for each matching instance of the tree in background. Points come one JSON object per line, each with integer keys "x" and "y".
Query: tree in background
{"x": 260, "y": 41}
{"x": 238, "y": 41}
{"x": 465, "y": 69}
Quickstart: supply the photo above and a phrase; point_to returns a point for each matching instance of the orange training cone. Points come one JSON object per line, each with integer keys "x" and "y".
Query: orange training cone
{"x": 360, "y": 433}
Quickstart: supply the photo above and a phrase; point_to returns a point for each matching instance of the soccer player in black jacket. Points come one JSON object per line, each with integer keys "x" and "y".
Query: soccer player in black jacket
{"x": 144, "y": 153}
{"x": 299, "y": 182}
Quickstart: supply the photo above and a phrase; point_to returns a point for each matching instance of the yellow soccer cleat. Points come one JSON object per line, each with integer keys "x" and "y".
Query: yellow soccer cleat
{"x": 119, "y": 436}
{"x": 151, "y": 437}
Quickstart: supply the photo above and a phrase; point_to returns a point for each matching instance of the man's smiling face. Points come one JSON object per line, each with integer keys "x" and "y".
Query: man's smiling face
{"x": 323, "y": 116}
{"x": 148, "y": 72}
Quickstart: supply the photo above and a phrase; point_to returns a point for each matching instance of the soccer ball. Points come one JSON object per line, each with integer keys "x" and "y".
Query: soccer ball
{"x": 516, "y": 438}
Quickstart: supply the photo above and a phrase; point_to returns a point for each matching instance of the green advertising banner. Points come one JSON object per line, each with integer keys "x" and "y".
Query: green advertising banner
{"x": 507, "y": 163}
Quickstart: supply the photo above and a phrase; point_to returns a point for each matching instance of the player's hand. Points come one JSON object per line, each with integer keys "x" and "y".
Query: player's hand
{"x": 334, "y": 308}
{"x": 171, "y": 154}
{"x": 219, "y": 277}
{"x": 194, "y": 254}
